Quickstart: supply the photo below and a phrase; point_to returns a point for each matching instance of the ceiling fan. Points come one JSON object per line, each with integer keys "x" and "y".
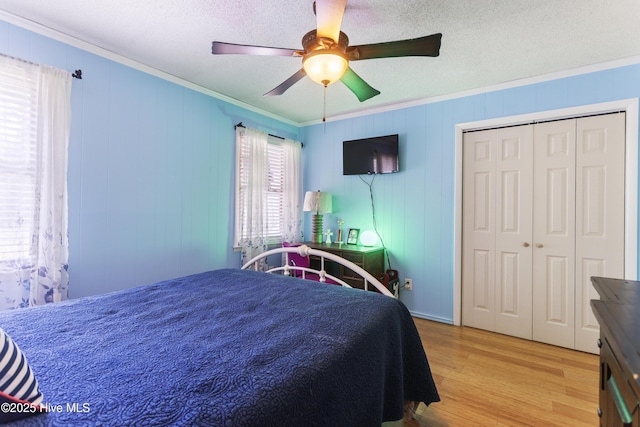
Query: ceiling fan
{"x": 326, "y": 54}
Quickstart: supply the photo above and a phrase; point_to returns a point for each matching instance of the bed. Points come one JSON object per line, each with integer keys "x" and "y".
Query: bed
{"x": 228, "y": 347}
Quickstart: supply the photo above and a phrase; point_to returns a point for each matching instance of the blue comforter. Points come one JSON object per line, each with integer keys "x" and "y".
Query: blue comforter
{"x": 224, "y": 348}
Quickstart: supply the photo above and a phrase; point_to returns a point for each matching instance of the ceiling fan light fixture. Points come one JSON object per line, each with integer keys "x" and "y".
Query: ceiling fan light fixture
{"x": 325, "y": 66}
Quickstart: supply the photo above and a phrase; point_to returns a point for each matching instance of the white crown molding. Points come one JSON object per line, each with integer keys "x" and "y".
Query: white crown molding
{"x": 75, "y": 42}
{"x": 485, "y": 89}
{"x": 80, "y": 44}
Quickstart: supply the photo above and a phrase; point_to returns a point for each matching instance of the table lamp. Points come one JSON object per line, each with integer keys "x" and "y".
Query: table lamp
{"x": 320, "y": 203}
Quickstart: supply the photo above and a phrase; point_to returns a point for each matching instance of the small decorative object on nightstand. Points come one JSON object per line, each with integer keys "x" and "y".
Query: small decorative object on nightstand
{"x": 352, "y": 238}
{"x": 328, "y": 233}
{"x": 368, "y": 238}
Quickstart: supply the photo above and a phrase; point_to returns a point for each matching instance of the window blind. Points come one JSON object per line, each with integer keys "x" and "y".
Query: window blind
{"x": 18, "y": 159}
{"x": 275, "y": 161}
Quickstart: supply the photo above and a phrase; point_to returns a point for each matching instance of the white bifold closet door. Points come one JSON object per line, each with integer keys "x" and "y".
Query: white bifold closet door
{"x": 497, "y": 230}
{"x": 543, "y": 212}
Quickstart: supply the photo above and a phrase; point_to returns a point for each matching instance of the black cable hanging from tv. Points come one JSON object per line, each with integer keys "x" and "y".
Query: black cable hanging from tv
{"x": 373, "y": 215}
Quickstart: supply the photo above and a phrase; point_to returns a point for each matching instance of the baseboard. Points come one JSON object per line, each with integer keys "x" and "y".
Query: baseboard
{"x": 431, "y": 317}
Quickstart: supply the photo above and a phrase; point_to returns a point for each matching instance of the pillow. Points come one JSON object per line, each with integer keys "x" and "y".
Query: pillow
{"x": 20, "y": 395}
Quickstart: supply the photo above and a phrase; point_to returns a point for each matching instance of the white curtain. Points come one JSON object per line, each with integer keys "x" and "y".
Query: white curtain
{"x": 291, "y": 203}
{"x": 252, "y": 183}
{"x": 268, "y": 192}
{"x": 34, "y": 251}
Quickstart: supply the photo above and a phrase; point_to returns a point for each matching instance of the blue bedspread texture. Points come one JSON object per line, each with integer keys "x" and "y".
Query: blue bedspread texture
{"x": 224, "y": 348}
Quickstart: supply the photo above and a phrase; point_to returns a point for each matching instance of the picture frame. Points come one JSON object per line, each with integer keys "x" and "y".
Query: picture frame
{"x": 352, "y": 237}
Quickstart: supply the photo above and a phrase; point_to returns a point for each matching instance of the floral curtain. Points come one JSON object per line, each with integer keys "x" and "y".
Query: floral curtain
{"x": 252, "y": 183}
{"x": 34, "y": 258}
{"x": 292, "y": 191}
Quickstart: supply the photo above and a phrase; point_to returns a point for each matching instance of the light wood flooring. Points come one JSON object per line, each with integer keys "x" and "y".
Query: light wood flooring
{"x": 488, "y": 379}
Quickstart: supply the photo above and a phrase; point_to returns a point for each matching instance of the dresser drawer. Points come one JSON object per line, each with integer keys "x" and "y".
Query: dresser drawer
{"x": 355, "y": 258}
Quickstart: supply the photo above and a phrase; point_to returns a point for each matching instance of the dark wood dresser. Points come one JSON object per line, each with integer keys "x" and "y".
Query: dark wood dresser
{"x": 618, "y": 313}
{"x": 370, "y": 258}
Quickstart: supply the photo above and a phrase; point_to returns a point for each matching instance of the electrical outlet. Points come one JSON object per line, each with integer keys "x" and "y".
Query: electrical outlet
{"x": 408, "y": 284}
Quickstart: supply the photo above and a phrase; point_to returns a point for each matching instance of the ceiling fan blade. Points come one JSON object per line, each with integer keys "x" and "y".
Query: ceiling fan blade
{"x": 221, "y": 48}
{"x": 358, "y": 86}
{"x": 329, "y": 15}
{"x": 422, "y": 46}
{"x": 282, "y": 88}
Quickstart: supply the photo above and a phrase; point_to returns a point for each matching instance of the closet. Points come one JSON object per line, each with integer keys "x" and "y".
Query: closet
{"x": 543, "y": 211}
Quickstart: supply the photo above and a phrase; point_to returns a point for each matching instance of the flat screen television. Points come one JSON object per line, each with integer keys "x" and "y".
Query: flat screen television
{"x": 370, "y": 155}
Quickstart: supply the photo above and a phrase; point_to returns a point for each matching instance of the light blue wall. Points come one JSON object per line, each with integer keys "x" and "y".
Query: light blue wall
{"x": 150, "y": 170}
{"x": 415, "y": 208}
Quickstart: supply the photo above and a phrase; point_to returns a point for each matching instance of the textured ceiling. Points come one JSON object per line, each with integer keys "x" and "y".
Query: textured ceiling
{"x": 485, "y": 42}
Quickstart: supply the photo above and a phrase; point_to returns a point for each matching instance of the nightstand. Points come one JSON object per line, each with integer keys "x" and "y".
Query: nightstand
{"x": 370, "y": 258}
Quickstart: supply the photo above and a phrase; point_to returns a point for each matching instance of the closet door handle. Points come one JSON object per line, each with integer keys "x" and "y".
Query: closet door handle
{"x": 539, "y": 245}
{"x": 525, "y": 244}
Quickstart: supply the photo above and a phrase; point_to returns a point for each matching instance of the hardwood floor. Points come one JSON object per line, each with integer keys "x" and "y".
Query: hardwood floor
{"x": 488, "y": 379}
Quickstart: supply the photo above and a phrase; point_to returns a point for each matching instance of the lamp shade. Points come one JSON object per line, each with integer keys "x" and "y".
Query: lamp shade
{"x": 317, "y": 201}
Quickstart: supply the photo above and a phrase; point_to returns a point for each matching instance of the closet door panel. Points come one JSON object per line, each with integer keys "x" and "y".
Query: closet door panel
{"x": 478, "y": 230}
{"x": 558, "y": 295}
{"x": 514, "y": 230}
{"x": 554, "y": 233}
{"x": 497, "y": 230}
{"x": 600, "y": 153}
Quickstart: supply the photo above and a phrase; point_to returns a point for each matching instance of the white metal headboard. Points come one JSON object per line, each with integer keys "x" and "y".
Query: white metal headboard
{"x": 305, "y": 250}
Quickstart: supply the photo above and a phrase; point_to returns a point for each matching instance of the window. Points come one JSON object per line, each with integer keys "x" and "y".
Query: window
{"x": 268, "y": 190}
{"x": 18, "y": 124}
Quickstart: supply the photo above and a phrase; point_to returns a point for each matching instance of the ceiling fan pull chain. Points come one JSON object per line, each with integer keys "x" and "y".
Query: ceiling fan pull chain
{"x": 324, "y": 107}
